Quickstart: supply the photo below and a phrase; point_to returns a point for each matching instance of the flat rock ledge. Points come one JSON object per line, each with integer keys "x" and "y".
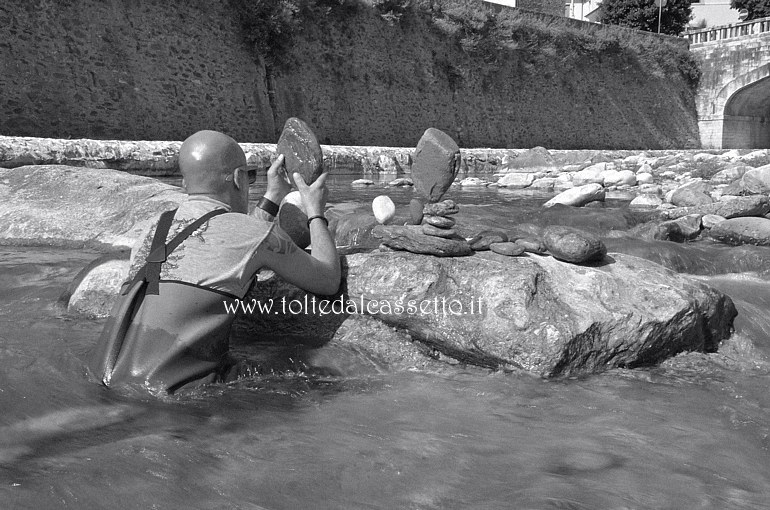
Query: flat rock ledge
{"x": 534, "y": 313}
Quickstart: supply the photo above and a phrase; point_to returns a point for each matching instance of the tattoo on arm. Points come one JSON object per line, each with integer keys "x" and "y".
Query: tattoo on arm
{"x": 264, "y": 216}
{"x": 279, "y": 242}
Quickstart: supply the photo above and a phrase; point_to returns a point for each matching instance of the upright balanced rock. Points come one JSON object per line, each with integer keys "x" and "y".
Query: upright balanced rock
{"x": 300, "y": 147}
{"x": 436, "y": 163}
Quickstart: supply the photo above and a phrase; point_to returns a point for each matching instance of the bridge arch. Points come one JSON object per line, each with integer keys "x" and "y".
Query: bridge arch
{"x": 733, "y": 98}
{"x": 746, "y": 111}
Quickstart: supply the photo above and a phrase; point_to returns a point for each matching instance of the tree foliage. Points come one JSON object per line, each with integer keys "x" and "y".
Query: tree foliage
{"x": 757, "y": 8}
{"x": 643, "y": 15}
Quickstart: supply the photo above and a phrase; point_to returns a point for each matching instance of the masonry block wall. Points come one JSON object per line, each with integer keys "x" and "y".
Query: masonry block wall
{"x": 155, "y": 70}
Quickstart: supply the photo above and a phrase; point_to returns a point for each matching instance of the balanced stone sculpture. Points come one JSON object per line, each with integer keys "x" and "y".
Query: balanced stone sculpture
{"x": 436, "y": 163}
{"x": 300, "y": 147}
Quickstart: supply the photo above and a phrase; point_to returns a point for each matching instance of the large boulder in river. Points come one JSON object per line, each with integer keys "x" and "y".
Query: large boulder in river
{"x": 737, "y": 231}
{"x": 54, "y": 205}
{"x": 436, "y": 163}
{"x": 535, "y": 313}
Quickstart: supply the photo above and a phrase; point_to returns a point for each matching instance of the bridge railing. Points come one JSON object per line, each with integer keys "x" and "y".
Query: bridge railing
{"x": 705, "y": 35}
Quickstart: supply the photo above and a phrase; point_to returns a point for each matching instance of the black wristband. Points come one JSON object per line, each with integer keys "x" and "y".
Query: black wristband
{"x": 268, "y": 206}
{"x": 320, "y": 217}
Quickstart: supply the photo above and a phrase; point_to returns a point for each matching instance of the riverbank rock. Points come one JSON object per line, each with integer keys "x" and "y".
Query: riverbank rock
{"x": 645, "y": 200}
{"x": 533, "y": 313}
{"x": 54, "y": 205}
{"x": 516, "y": 180}
{"x": 300, "y": 147}
{"x": 436, "y": 163}
{"x": 578, "y": 196}
{"x": 692, "y": 194}
{"x": 573, "y": 245}
{"x": 737, "y": 231}
{"x": 411, "y": 238}
{"x": 737, "y": 207}
{"x": 533, "y": 160}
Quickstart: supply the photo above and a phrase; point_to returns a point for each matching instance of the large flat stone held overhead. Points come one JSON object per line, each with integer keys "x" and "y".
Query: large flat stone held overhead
{"x": 300, "y": 147}
{"x": 436, "y": 163}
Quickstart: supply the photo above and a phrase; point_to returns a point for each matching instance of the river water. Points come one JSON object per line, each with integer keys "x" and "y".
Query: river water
{"x": 693, "y": 432}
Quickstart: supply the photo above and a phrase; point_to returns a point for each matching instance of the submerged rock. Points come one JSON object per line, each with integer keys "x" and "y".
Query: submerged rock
{"x": 436, "y": 163}
{"x": 300, "y": 147}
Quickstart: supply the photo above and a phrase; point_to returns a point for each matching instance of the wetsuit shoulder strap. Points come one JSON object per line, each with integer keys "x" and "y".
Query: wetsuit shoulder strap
{"x": 160, "y": 251}
{"x": 158, "y": 242}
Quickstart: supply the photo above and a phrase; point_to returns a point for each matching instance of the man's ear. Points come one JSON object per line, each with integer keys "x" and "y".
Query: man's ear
{"x": 236, "y": 177}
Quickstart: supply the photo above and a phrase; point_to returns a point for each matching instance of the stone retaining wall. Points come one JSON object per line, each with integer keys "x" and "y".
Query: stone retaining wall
{"x": 156, "y": 70}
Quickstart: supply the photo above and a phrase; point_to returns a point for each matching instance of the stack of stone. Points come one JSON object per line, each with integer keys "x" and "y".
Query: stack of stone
{"x": 436, "y": 163}
{"x": 437, "y": 219}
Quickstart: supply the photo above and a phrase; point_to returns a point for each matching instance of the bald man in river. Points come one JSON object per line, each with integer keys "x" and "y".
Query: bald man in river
{"x": 180, "y": 335}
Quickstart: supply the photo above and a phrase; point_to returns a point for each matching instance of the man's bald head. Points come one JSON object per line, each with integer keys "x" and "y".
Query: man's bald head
{"x": 205, "y": 158}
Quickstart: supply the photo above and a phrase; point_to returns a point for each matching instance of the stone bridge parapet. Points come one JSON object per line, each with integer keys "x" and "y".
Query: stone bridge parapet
{"x": 733, "y": 100}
